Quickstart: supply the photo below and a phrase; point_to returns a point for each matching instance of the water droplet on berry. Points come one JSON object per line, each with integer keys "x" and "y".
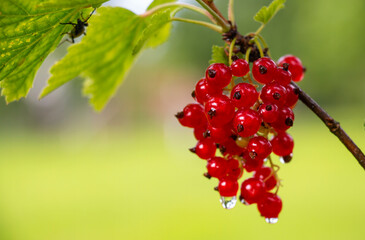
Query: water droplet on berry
{"x": 242, "y": 200}
{"x": 271, "y": 220}
{"x": 228, "y": 202}
{"x": 286, "y": 159}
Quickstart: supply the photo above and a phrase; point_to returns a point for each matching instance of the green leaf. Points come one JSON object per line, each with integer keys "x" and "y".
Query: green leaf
{"x": 27, "y": 35}
{"x": 70, "y": 3}
{"x": 108, "y": 51}
{"x": 218, "y": 55}
{"x": 265, "y": 14}
{"x": 158, "y": 2}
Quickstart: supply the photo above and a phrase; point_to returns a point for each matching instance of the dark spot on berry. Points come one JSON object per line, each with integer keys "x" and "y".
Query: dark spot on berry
{"x": 289, "y": 122}
{"x": 215, "y": 188}
{"x": 287, "y": 158}
{"x": 211, "y": 73}
{"x": 276, "y": 96}
{"x": 237, "y": 95}
{"x": 211, "y": 113}
{"x": 252, "y": 155}
{"x": 286, "y": 66}
{"x": 296, "y": 91}
{"x": 223, "y": 149}
{"x": 207, "y": 175}
{"x": 234, "y": 137}
{"x": 304, "y": 69}
{"x": 192, "y": 149}
{"x": 193, "y": 94}
{"x": 179, "y": 115}
{"x": 234, "y": 58}
{"x": 268, "y": 107}
{"x": 240, "y": 128}
{"x": 206, "y": 134}
{"x": 262, "y": 69}
{"x": 217, "y": 145}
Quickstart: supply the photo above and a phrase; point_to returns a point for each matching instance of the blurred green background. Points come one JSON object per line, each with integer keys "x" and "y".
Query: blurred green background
{"x": 125, "y": 173}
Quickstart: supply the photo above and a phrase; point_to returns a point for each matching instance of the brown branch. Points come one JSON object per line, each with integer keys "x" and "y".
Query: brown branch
{"x": 332, "y": 125}
{"x": 211, "y": 4}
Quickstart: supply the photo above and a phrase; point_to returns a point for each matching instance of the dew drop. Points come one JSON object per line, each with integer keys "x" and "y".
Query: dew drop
{"x": 271, "y": 220}
{"x": 228, "y": 202}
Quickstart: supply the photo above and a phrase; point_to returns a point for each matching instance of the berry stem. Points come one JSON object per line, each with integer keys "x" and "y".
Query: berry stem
{"x": 331, "y": 124}
{"x": 202, "y": 23}
{"x": 259, "y": 47}
{"x": 264, "y": 44}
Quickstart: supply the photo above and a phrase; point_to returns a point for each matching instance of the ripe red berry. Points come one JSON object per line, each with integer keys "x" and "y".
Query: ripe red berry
{"x": 228, "y": 187}
{"x": 246, "y": 122}
{"x": 218, "y": 75}
{"x": 240, "y": 67}
{"x": 291, "y": 96}
{"x": 253, "y": 164}
{"x": 244, "y": 95}
{"x": 282, "y": 144}
{"x": 264, "y": 70}
{"x": 199, "y": 132}
{"x": 234, "y": 169}
{"x": 269, "y": 205}
{"x": 192, "y": 116}
{"x": 285, "y": 119}
{"x": 267, "y": 175}
{"x": 230, "y": 147}
{"x": 259, "y": 148}
{"x": 205, "y": 149}
{"x": 219, "y": 111}
{"x": 217, "y": 167}
{"x": 273, "y": 93}
{"x": 295, "y": 66}
{"x": 283, "y": 75}
{"x": 203, "y": 92}
{"x": 269, "y": 112}
{"x": 219, "y": 134}
{"x": 252, "y": 189}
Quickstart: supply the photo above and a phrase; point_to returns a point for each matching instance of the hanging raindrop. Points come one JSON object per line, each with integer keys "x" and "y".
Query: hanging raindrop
{"x": 228, "y": 202}
{"x": 271, "y": 220}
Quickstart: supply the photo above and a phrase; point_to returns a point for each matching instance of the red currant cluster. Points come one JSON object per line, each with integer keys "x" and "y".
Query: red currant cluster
{"x": 246, "y": 125}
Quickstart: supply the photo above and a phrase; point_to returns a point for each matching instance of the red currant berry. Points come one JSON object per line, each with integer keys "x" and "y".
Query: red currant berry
{"x": 269, "y": 205}
{"x": 240, "y": 67}
{"x": 282, "y": 144}
{"x": 244, "y": 95}
{"x": 273, "y": 93}
{"x": 291, "y": 96}
{"x": 230, "y": 147}
{"x": 283, "y": 75}
{"x": 269, "y": 112}
{"x": 253, "y": 164}
{"x": 192, "y": 116}
{"x": 199, "y": 132}
{"x": 219, "y": 134}
{"x": 205, "y": 148}
{"x": 246, "y": 122}
{"x": 217, "y": 167}
{"x": 259, "y": 148}
{"x": 219, "y": 111}
{"x": 228, "y": 187}
{"x": 218, "y": 75}
{"x": 295, "y": 66}
{"x": 234, "y": 169}
{"x": 285, "y": 119}
{"x": 203, "y": 92}
{"x": 252, "y": 189}
{"x": 264, "y": 70}
{"x": 266, "y": 175}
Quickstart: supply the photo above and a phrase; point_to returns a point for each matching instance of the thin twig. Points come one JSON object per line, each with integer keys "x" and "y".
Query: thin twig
{"x": 331, "y": 124}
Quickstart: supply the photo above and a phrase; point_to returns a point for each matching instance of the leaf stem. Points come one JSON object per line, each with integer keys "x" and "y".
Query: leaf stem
{"x": 182, "y": 5}
{"x": 202, "y": 23}
{"x": 231, "y": 11}
{"x": 216, "y": 14}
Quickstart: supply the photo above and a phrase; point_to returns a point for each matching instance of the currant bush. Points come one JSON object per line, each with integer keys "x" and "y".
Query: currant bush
{"x": 247, "y": 122}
